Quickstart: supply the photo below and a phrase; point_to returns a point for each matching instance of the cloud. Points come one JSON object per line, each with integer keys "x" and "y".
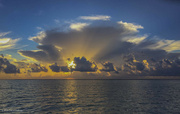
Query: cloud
{"x": 96, "y": 17}
{"x": 173, "y": 46}
{"x": 7, "y": 43}
{"x": 134, "y": 67}
{"x": 64, "y": 69}
{"x": 130, "y": 26}
{"x": 29, "y": 67}
{"x": 47, "y": 54}
{"x": 109, "y": 67}
{"x": 12, "y": 65}
{"x": 10, "y": 68}
{"x": 39, "y": 36}
{"x": 139, "y": 66}
{"x": 37, "y": 68}
{"x": 103, "y": 42}
{"x": 7, "y": 67}
{"x": 135, "y": 40}
{"x": 21, "y": 64}
{"x": 78, "y": 26}
{"x": 83, "y": 65}
{"x": 92, "y": 41}
{"x": 166, "y": 67}
{"x": 4, "y": 33}
{"x": 167, "y": 45}
{"x": 56, "y": 68}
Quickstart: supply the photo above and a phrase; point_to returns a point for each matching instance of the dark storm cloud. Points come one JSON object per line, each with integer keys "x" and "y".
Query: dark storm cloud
{"x": 10, "y": 68}
{"x": 132, "y": 63}
{"x": 129, "y": 58}
{"x": 7, "y": 67}
{"x": 148, "y": 54}
{"x": 38, "y": 68}
{"x": 173, "y": 56}
{"x": 133, "y": 66}
{"x": 47, "y": 53}
{"x": 56, "y": 68}
{"x": 64, "y": 69}
{"x": 139, "y": 66}
{"x": 83, "y": 65}
{"x": 108, "y": 67}
{"x": 177, "y": 61}
{"x": 164, "y": 67}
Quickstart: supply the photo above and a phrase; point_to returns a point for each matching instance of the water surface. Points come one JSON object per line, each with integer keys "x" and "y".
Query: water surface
{"x": 90, "y": 96}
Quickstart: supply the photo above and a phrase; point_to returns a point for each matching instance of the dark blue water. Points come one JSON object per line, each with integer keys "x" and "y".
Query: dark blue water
{"x": 90, "y": 96}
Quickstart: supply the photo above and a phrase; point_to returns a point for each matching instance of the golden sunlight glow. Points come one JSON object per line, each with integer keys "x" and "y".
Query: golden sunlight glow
{"x": 71, "y": 64}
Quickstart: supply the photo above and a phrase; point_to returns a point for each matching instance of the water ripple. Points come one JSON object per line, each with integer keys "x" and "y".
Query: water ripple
{"x": 90, "y": 96}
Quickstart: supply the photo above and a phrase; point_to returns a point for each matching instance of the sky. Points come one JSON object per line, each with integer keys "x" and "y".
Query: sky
{"x": 89, "y": 39}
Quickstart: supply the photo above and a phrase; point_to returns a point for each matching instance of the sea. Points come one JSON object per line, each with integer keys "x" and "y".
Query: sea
{"x": 90, "y": 96}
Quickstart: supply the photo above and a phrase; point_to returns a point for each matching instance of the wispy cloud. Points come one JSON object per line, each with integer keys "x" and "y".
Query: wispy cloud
{"x": 167, "y": 45}
{"x": 134, "y": 39}
{"x": 7, "y": 43}
{"x": 96, "y": 17}
{"x": 4, "y": 33}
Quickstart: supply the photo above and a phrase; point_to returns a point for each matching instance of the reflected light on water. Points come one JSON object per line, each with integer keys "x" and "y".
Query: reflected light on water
{"x": 89, "y": 96}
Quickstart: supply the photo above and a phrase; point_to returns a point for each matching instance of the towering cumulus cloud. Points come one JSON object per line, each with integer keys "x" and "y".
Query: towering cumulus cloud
{"x": 119, "y": 46}
{"x": 92, "y": 41}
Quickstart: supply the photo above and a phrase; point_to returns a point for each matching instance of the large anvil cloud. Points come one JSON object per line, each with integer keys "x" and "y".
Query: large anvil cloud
{"x": 101, "y": 43}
